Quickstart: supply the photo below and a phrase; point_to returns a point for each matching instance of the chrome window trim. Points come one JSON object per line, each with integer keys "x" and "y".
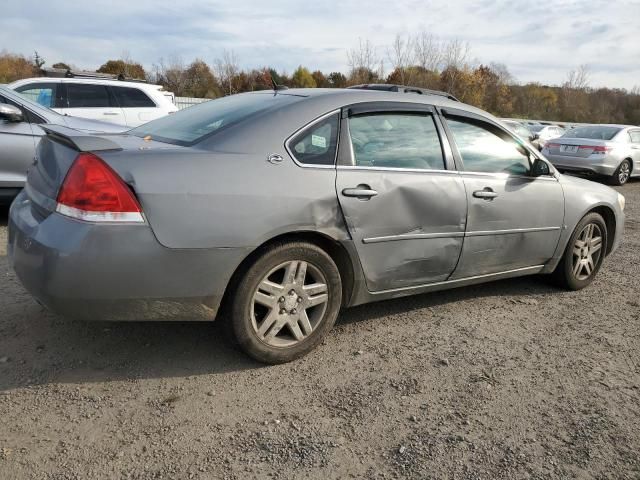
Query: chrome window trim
{"x": 308, "y": 125}
{"x": 397, "y": 169}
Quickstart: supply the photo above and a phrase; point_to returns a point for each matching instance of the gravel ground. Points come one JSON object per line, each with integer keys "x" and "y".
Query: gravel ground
{"x": 513, "y": 380}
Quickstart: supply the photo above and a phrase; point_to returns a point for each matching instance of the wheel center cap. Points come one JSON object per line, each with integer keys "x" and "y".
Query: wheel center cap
{"x": 290, "y": 301}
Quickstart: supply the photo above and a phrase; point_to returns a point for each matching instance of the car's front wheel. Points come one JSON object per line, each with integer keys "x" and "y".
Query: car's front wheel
{"x": 584, "y": 253}
{"x": 286, "y": 302}
{"x": 622, "y": 173}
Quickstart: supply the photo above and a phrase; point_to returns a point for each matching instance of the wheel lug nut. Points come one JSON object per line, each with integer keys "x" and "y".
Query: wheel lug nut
{"x": 281, "y": 300}
{"x": 292, "y": 292}
{"x": 293, "y": 311}
{"x": 283, "y": 311}
{"x": 299, "y": 300}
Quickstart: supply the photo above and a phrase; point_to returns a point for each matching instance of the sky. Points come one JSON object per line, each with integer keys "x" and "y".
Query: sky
{"x": 537, "y": 40}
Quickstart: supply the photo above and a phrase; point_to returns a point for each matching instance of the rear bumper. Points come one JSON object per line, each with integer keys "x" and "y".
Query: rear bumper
{"x": 114, "y": 272}
{"x": 592, "y": 164}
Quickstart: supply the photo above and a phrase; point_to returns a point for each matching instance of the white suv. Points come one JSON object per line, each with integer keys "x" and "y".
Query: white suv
{"x": 115, "y": 101}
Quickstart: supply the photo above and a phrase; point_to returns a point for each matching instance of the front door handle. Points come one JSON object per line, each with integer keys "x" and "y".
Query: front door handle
{"x": 486, "y": 194}
{"x": 363, "y": 192}
{"x": 110, "y": 113}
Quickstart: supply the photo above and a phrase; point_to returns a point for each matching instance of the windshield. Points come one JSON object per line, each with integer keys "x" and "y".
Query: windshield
{"x": 594, "y": 132}
{"x": 193, "y": 124}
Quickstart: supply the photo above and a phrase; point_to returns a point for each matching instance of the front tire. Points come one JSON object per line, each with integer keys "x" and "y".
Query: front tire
{"x": 622, "y": 174}
{"x": 584, "y": 253}
{"x": 286, "y": 303}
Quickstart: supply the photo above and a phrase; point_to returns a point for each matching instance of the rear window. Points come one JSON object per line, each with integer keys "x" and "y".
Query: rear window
{"x": 595, "y": 132}
{"x": 132, "y": 97}
{"x": 193, "y": 124}
{"x": 536, "y": 128}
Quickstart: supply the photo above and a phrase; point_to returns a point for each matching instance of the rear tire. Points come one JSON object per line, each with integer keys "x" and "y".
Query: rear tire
{"x": 286, "y": 302}
{"x": 584, "y": 253}
{"x": 622, "y": 174}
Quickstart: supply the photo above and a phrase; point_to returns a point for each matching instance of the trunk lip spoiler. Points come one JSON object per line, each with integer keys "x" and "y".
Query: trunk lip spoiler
{"x": 80, "y": 141}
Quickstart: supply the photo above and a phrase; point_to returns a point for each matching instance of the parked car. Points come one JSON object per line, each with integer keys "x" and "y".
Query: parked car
{"x": 114, "y": 101}
{"x": 21, "y": 122}
{"x": 520, "y": 129}
{"x": 609, "y": 150}
{"x": 284, "y": 206}
{"x": 544, "y": 133}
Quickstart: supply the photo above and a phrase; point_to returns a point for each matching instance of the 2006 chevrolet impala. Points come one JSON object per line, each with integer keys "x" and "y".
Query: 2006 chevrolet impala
{"x": 284, "y": 206}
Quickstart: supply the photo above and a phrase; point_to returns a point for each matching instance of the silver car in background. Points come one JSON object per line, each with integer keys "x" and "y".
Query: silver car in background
{"x": 609, "y": 150}
{"x": 21, "y": 122}
{"x": 279, "y": 208}
{"x": 544, "y": 133}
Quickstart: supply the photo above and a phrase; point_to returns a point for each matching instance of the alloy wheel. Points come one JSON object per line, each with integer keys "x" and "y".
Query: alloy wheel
{"x": 289, "y": 303}
{"x": 624, "y": 172}
{"x": 586, "y": 251}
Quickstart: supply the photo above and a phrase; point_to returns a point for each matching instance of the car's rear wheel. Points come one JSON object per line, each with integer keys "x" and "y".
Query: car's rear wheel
{"x": 286, "y": 302}
{"x": 584, "y": 253}
{"x": 622, "y": 173}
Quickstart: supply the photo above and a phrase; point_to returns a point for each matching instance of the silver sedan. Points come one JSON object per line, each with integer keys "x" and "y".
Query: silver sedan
{"x": 274, "y": 210}
{"x": 609, "y": 150}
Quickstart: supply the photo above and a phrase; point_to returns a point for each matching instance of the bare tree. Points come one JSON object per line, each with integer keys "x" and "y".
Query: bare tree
{"x": 401, "y": 56}
{"x": 171, "y": 74}
{"x": 578, "y": 79}
{"x": 227, "y": 69}
{"x": 455, "y": 59}
{"x": 428, "y": 51}
{"x": 362, "y": 62}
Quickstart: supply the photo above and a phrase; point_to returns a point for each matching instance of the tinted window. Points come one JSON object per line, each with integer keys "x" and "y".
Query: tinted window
{"x": 193, "y": 124}
{"x": 87, "y": 96}
{"x": 484, "y": 148}
{"x": 396, "y": 140}
{"x": 635, "y": 136}
{"x": 44, "y": 94}
{"x": 595, "y": 132}
{"x": 132, "y": 97}
{"x": 317, "y": 144}
{"x": 536, "y": 128}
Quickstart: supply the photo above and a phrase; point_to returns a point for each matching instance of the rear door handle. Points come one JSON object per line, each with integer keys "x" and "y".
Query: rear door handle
{"x": 363, "y": 192}
{"x": 486, "y": 194}
{"x": 110, "y": 113}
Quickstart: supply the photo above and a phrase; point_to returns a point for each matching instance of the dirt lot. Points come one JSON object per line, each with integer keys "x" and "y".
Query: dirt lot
{"x": 513, "y": 379}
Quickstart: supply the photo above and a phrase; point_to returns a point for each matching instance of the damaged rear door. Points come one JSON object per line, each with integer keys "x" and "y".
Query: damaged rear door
{"x": 403, "y": 201}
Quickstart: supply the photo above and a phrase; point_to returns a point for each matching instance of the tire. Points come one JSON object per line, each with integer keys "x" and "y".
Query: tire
{"x": 622, "y": 173}
{"x": 286, "y": 302}
{"x": 569, "y": 273}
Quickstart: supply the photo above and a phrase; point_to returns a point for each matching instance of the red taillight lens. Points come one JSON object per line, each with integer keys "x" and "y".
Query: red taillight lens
{"x": 599, "y": 148}
{"x": 93, "y": 191}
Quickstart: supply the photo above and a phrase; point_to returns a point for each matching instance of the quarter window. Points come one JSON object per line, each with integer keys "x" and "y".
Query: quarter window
{"x": 83, "y": 95}
{"x": 396, "y": 140}
{"x": 316, "y": 145}
{"x": 635, "y": 136}
{"x": 485, "y": 148}
{"x": 132, "y": 98}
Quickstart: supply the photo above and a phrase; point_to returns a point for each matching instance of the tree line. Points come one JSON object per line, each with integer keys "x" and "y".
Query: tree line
{"x": 420, "y": 60}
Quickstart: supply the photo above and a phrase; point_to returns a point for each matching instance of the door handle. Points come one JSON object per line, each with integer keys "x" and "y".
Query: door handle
{"x": 363, "y": 192}
{"x": 110, "y": 113}
{"x": 486, "y": 194}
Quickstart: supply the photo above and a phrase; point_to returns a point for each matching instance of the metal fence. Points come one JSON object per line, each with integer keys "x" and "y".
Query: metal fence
{"x": 186, "y": 102}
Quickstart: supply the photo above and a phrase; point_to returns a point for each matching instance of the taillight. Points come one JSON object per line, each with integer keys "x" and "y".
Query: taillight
{"x": 93, "y": 192}
{"x": 599, "y": 149}
{"x": 553, "y": 145}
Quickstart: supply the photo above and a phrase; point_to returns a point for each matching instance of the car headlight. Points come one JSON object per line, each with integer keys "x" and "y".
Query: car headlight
{"x": 621, "y": 201}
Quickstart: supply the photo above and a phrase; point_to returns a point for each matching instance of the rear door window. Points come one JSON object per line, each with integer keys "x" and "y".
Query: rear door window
{"x": 82, "y": 95}
{"x": 316, "y": 144}
{"x": 129, "y": 97}
{"x": 396, "y": 140}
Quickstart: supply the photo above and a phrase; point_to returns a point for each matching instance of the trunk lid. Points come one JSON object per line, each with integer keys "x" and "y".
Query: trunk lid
{"x": 575, "y": 147}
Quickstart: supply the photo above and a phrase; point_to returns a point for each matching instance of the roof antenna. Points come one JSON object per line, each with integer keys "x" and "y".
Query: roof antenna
{"x": 277, "y": 87}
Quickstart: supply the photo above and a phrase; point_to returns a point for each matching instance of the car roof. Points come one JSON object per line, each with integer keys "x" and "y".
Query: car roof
{"x": 93, "y": 81}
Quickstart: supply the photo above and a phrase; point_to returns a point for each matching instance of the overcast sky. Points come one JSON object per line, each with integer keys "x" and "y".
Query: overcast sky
{"x": 538, "y": 40}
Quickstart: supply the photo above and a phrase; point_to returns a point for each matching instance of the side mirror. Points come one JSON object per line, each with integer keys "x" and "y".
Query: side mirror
{"x": 540, "y": 168}
{"x": 535, "y": 136}
{"x": 10, "y": 113}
